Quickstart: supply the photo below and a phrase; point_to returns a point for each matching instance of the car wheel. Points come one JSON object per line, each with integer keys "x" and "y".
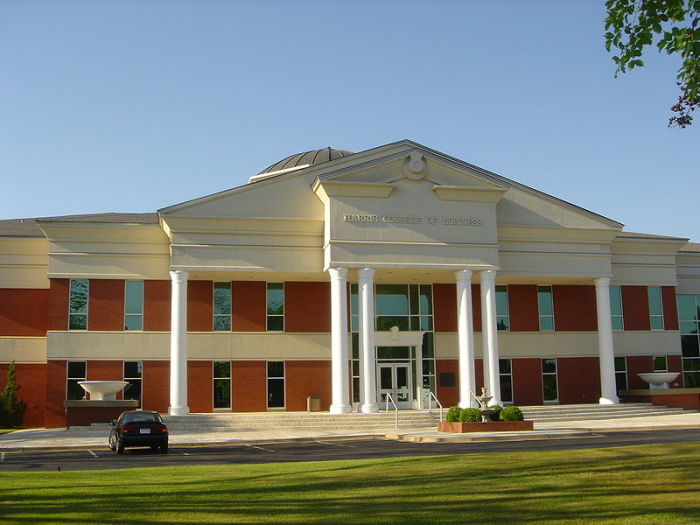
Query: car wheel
{"x": 120, "y": 447}
{"x": 112, "y": 446}
{"x": 164, "y": 449}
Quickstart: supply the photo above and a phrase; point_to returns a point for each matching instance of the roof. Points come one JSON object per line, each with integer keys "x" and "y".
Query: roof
{"x": 650, "y": 236}
{"x": 307, "y": 158}
{"x": 30, "y": 227}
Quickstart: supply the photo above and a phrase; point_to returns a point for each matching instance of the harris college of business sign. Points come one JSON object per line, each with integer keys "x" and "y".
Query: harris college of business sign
{"x": 411, "y": 219}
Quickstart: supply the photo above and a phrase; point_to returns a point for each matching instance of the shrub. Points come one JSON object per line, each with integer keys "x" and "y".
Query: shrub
{"x": 453, "y": 414}
{"x": 495, "y": 415}
{"x": 11, "y": 408}
{"x": 511, "y": 414}
{"x": 470, "y": 415}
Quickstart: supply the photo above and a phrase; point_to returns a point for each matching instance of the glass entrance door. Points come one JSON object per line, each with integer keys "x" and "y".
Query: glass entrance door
{"x": 394, "y": 379}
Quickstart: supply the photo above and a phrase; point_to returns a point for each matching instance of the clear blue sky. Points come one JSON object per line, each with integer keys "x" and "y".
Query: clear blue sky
{"x": 131, "y": 106}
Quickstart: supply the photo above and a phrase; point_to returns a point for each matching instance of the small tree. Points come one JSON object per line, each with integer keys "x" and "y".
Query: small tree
{"x": 12, "y": 408}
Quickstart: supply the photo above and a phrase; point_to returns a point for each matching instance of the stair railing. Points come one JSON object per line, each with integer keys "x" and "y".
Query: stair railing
{"x": 396, "y": 408}
{"x": 430, "y": 405}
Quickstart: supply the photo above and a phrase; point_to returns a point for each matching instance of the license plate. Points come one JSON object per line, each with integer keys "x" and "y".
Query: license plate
{"x": 145, "y": 430}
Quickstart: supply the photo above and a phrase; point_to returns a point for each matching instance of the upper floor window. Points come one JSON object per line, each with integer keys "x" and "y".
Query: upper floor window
{"x": 656, "y": 309}
{"x": 275, "y": 307}
{"x": 78, "y": 304}
{"x": 616, "y": 308}
{"x": 222, "y": 306}
{"x": 502, "y": 316}
{"x": 545, "y": 308}
{"x": 133, "y": 305}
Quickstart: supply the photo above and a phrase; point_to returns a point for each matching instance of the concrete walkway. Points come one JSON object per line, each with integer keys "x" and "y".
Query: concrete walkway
{"x": 57, "y": 439}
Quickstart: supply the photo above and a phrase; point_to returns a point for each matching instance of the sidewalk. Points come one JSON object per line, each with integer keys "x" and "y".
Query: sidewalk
{"x": 61, "y": 438}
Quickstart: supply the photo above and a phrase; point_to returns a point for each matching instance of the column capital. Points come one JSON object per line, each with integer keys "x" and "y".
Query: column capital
{"x": 178, "y": 276}
{"x": 488, "y": 275}
{"x": 337, "y": 273}
{"x": 365, "y": 274}
{"x": 463, "y": 275}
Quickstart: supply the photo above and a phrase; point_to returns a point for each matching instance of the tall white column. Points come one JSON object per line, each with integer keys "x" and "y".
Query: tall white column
{"x": 465, "y": 331}
{"x": 490, "y": 335}
{"x": 339, "y": 341}
{"x": 608, "y": 389}
{"x": 368, "y": 367}
{"x": 178, "y": 344}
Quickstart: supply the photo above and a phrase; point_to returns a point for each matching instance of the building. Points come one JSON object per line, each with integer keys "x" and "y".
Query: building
{"x": 346, "y": 276}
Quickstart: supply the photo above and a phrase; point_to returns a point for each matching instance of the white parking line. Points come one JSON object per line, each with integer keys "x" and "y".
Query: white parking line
{"x": 260, "y": 448}
{"x": 334, "y": 444}
{"x": 2, "y": 456}
{"x": 91, "y": 452}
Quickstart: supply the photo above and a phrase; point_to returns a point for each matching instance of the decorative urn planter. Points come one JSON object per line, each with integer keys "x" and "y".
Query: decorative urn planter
{"x": 489, "y": 426}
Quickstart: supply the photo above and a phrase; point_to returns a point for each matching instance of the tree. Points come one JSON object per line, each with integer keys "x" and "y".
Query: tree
{"x": 11, "y": 408}
{"x": 631, "y": 25}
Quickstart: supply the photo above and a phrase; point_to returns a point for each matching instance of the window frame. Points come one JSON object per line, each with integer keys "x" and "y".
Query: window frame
{"x": 229, "y": 379}
{"x": 621, "y": 373}
{"x": 84, "y": 314}
{"x": 556, "y": 379}
{"x": 133, "y": 379}
{"x": 509, "y": 374}
{"x": 268, "y": 316}
{"x": 540, "y": 315}
{"x": 656, "y": 316}
{"x": 689, "y": 328}
{"x": 75, "y": 379}
{"x": 141, "y": 303}
{"x": 502, "y": 289}
{"x": 281, "y": 378}
{"x": 227, "y": 315}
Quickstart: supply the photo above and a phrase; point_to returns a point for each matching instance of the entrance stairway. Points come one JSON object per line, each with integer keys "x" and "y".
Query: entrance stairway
{"x": 359, "y": 423}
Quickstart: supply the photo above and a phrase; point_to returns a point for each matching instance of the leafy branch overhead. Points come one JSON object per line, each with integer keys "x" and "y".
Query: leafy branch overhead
{"x": 631, "y": 25}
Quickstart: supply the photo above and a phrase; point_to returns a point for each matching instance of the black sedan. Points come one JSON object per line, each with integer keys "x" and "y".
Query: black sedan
{"x": 138, "y": 428}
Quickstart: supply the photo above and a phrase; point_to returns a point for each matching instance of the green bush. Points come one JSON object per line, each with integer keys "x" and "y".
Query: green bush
{"x": 11, "y": 407}
{"x": 470, "y": 415}
{"x": 453, "y": 414}
{"x": 511, "y": 414}
{"x": 496, "y": 414}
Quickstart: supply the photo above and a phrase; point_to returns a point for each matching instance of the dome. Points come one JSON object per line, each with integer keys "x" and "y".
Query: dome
{"x": 316, "y": 156}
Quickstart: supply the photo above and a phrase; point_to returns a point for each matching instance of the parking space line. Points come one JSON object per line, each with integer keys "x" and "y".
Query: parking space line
{"x": 260, "y": 448}
{"x": 334, "y": 444}
{"x": 91, "y": 452}
{"x": 2, "y": 456}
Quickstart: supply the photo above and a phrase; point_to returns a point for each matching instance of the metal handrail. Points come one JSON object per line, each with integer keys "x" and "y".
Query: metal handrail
{"x": 430, "y": 405}
{"x": 396, "y": 409}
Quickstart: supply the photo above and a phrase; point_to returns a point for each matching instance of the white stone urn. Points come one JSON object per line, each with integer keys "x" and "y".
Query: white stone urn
{"x": 658, "y": 380}
{"x": 102, "y": 390}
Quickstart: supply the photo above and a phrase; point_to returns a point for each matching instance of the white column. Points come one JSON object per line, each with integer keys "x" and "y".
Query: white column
{"x": 178, "y": 345}
{"x": 339, "y": 341}
{"x": 608, "y": 389}
{"x": 368, "y": 367}
{"x": 490, "y": 335}
{"x": 465, "y": 331}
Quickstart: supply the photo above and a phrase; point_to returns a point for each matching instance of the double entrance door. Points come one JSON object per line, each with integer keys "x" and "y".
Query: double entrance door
{"x": 394, "y": 379}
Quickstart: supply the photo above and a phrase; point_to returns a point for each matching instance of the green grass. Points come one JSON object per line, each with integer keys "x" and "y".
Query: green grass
{"x": 651, "y": 484}
{"x": 6, "y": 430}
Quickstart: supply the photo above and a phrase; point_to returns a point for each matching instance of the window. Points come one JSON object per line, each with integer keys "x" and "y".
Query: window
{"x": 656, "y": 311}
{"x": 620, "y": 374}
{"x": 502, "y": 319}
{"x": 545, "y": 308}
{"x": 660, "y": 363}
{"x": 689, "y": 319}
{"x": 75, "y": 371}
{"x": 275, "y": 307}
{"x": 222, "y": 307}
{"x": 506, "y": 379}
{"x": 221, "y": 376}
{"x": 133, "y": 372}
{"x": 616, "y": 308}
{"x": 78, "y": 304}
{"x": 275, "y": 384}
{"x": 549, "y": 380}
{"x": 133, "y": 305}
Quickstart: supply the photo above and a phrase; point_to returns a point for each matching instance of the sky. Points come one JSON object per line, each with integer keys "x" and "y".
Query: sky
{"x": 135, "y": 105}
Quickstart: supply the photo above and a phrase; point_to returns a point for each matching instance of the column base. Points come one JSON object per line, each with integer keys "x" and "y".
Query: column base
{"x": 340, "y": 409}
{"x": 178, "y": 411}
{"x": 612, "y": 400}
{"x": 369, "y": 408}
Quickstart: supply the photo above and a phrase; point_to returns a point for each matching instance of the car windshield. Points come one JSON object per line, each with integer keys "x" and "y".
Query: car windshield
{"x": 145, "y": 417}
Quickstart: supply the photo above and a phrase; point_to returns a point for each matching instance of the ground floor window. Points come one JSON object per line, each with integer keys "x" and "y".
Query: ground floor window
{"x": 275, "y": 384}
{"x": 506, "y": 379}
{"x": 75, "y": 371}
{"x": 660, "y": 363}
{"x": 620, "y": 374}
{"x": 549, "y": 381}
{"x": 221, "y": 377}
{"x": 133, "y": 371}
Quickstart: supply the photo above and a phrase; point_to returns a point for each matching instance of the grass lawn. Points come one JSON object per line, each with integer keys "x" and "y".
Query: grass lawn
{"x": 651, "y": 484}
{"x": 6, "y": 430}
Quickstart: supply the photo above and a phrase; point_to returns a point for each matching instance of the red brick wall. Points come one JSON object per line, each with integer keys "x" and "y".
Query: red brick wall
{"x": 476, "y": 307}
{"x": 156, "y": 386}
{"x": 249, "y": 385}
{"x": 637, "y": 364}
{"x": 105, "y": 371}
{"x": 249, "y": 306}
{"x": 24, "y": 312}
{"x": 55, "y": 394}
{"x": 106, "y": 305}
{"x": 668, "y": 298}
{"x": 574, "y": 308}
{"x": 578, "y": 380}
{"x": 307, "y": 307}
{"x": 199, "y": 386}
{"x": 58, "y": 304}
{"x": 156, "y": 306}
{"x": 635, "y": 307}
{"x": 448, "y": 395}
{"x": 445, "y": 307}
{"x": 31, "y": 379}
{"x": 307, "y": 378}
{"x": 527, "y": 381}
{"x": 200, "y": 306}
{"x": 522, "y": 305}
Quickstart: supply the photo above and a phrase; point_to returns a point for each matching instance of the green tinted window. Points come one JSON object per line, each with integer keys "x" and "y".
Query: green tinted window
{"x": 391, "y": 299}
{"x": 546, "y": 310}
{"x": 78, "y": 304}
{"x": 133, "y": 297}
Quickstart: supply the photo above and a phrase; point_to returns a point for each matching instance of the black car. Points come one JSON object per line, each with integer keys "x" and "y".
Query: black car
{"x": 138, "y": 428}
